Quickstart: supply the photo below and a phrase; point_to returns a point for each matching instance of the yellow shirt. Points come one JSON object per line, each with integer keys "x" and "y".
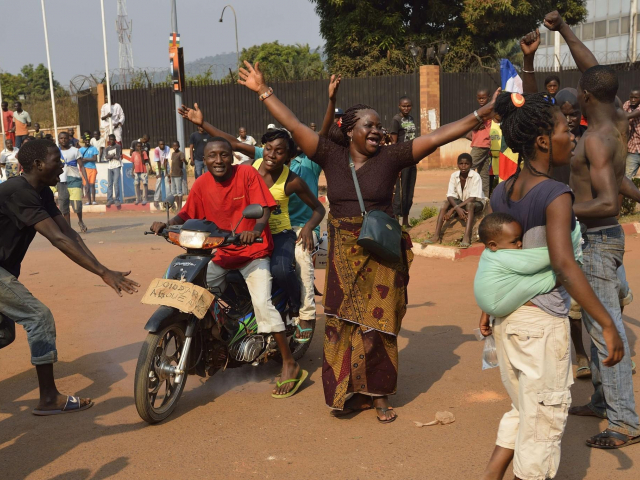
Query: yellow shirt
{"x": 279, "y": 220}
{"x": 495, "y": 135}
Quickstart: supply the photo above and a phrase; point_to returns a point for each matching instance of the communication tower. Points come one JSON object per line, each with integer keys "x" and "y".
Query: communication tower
{"x": 124, "y": 27}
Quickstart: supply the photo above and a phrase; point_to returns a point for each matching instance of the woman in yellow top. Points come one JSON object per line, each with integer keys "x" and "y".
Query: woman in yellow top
{"x": 279, "y": 149}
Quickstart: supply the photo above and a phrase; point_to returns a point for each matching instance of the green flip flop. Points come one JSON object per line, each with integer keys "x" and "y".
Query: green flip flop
{"x": 302, "y": 376}
{"x": 302, "y": 330}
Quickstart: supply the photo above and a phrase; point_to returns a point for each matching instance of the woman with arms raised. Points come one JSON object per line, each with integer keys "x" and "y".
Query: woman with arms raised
{"x": 365, "y": 297}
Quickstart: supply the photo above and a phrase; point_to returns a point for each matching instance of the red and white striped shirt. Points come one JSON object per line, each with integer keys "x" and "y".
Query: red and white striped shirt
{"x": 634, "y": 130}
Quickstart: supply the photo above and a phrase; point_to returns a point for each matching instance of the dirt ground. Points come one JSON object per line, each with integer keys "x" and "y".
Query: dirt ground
{"x": 229, "y": 426}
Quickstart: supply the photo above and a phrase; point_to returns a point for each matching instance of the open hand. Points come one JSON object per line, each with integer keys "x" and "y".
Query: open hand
{"x": 553, "y": 21}
{"x": 614, "y": 344}
{"x": 251, "y": 77}
{"x": 530, "y": 42}
{"x": 334, "y": 84}
{"x": 194, "y": 115}
{"x": 119, "y": 282}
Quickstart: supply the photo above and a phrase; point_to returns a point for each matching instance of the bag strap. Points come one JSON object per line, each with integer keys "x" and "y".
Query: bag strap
{"x": 355, "y": 181}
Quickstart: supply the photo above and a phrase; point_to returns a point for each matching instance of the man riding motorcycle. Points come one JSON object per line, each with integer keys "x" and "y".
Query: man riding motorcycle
{"x": 220, "y": 198}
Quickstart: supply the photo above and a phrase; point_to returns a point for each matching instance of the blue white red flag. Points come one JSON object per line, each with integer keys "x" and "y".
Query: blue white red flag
{"x": 511, "y": 81}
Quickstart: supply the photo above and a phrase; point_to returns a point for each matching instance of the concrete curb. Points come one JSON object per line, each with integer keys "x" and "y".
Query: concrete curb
{"x": 454, "y": 253}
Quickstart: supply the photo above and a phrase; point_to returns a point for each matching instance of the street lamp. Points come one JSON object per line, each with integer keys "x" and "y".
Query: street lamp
{"x": 236, "y": 23}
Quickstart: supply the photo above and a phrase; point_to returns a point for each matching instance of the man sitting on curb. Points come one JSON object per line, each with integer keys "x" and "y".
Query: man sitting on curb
{"x": 464, "y": 199}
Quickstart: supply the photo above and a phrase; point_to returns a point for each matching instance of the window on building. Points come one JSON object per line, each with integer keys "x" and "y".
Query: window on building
{"x": 543, "y": 39}
{"x": 601, "y": 29}
{"x": 624, "y": 25}
{"x": 551, "y": 36}
{"x": 587, "y": 31}
{"x": 576, "y": 30}
{"x": 614, "y": 27}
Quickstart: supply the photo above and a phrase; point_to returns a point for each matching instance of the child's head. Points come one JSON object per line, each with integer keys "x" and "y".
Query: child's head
{"x": 138, "y": 147}
{"x": 175, "y": 145}
{"x": 482, "y": 96}
{"x": 464, "y": 162}
{"x": 500, "y": 231}
{"x": 112, "y": 139}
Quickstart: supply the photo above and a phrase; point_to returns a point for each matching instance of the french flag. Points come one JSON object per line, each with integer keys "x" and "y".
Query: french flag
{"x": 511, "y": 81}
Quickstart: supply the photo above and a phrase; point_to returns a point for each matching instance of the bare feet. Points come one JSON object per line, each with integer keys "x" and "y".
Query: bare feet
{"x": 584, "y": 411}
{"x": 290, "y": 370}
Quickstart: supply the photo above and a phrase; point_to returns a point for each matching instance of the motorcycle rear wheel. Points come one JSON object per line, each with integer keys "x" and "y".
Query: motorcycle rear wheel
{"x": 158, "y": 350}
{"x": 298, "y": 350}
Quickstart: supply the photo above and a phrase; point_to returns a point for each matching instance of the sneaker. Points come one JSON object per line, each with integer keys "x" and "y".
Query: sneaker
{"x": 136, "y": 202}
{"x": 94, "y": 203}
{"x": 87, "y": 203}
{"x": 109, "y": 203}
{"x": 118, "y": 204}
{"x": 144, "y": 202}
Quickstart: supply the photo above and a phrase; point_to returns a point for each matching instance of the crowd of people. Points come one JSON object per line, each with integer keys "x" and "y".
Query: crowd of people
{"x": 553, "y": 260}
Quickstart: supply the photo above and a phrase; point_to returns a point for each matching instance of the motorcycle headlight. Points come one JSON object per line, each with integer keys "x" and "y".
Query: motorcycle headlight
{"x": 189, "y": 239}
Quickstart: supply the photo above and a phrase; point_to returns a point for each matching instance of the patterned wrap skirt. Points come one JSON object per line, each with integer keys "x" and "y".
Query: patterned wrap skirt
{"x": 365, "y": 300}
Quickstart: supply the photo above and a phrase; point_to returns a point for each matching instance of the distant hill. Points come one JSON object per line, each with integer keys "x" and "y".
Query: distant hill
{"x": 218, "y": 64}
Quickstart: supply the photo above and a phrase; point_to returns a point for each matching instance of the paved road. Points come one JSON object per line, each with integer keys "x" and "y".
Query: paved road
{"x": 228, "y": 426}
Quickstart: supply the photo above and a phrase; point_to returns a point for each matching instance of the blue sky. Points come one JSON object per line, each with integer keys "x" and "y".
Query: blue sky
{"x": 75, "y": 31}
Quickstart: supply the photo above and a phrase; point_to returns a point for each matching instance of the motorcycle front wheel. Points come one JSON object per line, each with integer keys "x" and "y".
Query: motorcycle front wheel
{"x": 156, "y": 393}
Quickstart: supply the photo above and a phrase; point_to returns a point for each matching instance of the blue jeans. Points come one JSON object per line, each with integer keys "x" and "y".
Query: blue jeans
{"x": 633, "y": 162}
{"x": 613, "y": 397}
{"x": 114, "y": 184}
{"x": 199, "y": 168}
{"x": 283, "y": 268}
{"x": 19, "y": 140}
{"x": 18, "y": 305}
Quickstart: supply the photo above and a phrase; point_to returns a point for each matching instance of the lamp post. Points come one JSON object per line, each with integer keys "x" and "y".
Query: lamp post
{"x": 106, "y": 66}
{"x": 178, "y": 94}
{"x": 236, "y": 24}
{"x": 53, "y": 98}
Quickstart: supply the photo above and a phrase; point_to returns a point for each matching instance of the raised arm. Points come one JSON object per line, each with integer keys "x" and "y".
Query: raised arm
{"x": 603, "y": 180}
{"x": 195, "y": 116}
{"x": 427, "y": 144}
{"x": 334, "y": 84}
{"x": 583, "y": 57}
{"x": 307, "y": 139}
{"x": 529, "y": 45}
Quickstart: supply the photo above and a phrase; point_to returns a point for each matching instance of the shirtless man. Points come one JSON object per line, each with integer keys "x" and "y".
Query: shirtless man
{"x": 597, "y": 172}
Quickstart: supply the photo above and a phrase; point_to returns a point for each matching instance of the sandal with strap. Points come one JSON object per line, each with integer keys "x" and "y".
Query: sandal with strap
{"x": 384, "y": 411}
{"x": 611, "y": 434}
{"x": 302, "y": 376}
{"x": 301, "y": 331}
{"x": 73, "y": 404}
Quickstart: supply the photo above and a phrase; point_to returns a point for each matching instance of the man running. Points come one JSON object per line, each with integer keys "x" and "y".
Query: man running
{"x": 597, "y": 172}
{"x": 26, "y": 207}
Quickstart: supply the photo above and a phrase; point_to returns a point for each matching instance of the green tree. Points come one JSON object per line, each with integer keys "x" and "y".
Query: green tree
{"x": 31, "y": 82}
{"x": 286, "y": 62}
{"x": 366, "y": 37}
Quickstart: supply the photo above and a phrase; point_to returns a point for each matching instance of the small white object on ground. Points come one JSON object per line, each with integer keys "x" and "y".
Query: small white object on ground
{"x": 442, "y": 418}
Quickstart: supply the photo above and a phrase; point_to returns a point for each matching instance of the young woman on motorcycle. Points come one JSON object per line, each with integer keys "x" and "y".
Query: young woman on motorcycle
{"x": 365, "y": 297}
{"x": 279, "y": 149}
{"x": 220, "y": 198}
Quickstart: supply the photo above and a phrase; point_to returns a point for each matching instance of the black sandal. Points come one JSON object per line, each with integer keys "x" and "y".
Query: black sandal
{"x": 384, "y": 412}
{"x": 611, "y": 434}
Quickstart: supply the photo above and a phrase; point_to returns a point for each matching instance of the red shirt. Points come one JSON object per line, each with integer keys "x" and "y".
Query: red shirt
{"x": 223, "y": 203}
{"x": 139, "y": 162}
{"x": 480, "y": 138}
{"x": 7, "y": 117}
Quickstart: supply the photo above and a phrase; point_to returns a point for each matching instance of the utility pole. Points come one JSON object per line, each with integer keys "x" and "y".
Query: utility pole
{"x": 634, "y": 30}
{"x": 556, "y": 50}
{"x": 106, "y": 67}
{"x": 53, "y": 98}
{"x": 178, "y": 91}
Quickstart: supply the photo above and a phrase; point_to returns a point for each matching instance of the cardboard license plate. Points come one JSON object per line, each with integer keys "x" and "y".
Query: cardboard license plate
{"x": 184, "y": 296}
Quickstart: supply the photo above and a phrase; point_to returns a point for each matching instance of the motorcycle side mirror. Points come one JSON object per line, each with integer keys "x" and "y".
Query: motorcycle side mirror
{"x": 253, "y": 211}
{"x": 170, "y": 200}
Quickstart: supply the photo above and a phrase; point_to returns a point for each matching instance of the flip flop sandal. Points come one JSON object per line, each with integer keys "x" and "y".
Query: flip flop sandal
{"x": 384, "y": 412}
{"x": 583, "y": 372}
{"x": 302, "y": 376}
{"x": 302, "y": 330}
{"x": 83, "y": 227}
{"x": 618, "y": 436}
{"x": 348, "y": 411}
{"x": 464, "y": 245}
{"x": 72, "y": 405}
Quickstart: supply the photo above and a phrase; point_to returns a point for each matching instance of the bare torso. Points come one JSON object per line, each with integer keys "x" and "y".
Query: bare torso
{"x": 613, "y": 134}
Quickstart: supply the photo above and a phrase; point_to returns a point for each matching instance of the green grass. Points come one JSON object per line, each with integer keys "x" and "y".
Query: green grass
{"x": 426, "y": 214}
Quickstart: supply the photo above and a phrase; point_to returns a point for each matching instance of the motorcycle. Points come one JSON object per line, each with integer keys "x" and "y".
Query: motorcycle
{"x": 209, "y": 329}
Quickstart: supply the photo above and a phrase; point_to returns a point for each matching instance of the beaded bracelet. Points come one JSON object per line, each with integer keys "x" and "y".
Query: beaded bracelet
{"x": 266, "y": 94}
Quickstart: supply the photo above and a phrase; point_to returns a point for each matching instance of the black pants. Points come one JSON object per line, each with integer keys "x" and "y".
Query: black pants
{"x": 405, "y": 188}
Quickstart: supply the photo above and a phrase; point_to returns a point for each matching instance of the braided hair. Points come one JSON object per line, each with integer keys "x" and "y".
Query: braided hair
{"x": 338, "y": 133}
{"x": 522, "y": 125}
{"x": 276, "y": 133}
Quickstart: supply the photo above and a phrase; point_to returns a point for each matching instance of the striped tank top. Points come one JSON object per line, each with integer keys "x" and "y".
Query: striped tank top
{"x": 279, "y": 220}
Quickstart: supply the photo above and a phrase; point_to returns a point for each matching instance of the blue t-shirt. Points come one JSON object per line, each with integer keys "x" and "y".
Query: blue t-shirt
{"x": 89, "y": 152}
{"x": 300, "y": 212}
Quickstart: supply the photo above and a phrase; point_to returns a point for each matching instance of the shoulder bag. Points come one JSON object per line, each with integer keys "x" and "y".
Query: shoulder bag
{"x": 380, "y": 234}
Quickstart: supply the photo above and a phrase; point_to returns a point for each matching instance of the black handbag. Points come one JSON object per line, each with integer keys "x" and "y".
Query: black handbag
{"x": 380, "y": 234}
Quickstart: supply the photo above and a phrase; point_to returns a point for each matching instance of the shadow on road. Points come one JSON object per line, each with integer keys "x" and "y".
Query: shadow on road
{"x": 108, "y": 228}
{"x": 33, "y": 442}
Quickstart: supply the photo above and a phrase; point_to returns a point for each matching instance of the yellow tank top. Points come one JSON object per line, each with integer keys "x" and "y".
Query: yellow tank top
{"x": 279, "y": 220}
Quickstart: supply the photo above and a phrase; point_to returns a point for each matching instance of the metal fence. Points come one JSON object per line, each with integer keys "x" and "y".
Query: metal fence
{"x": 458, "y": 90}
{"x": 230, "y": 106}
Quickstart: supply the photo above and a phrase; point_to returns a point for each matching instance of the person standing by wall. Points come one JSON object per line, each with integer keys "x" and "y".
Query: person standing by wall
{"x": 633, "y": 145}
{"x": 117, "y": 118}
{"x": 22, "y": 121}
{"x": 98, "y": 143}
{"x": 89, "y": 158}
{"x": 9, "y": 126}
{"x": 161, "y": 154}
{"x": 403, "y": 129}
{"x": 70, "y": 185}
{"x": 244, "y": 138}
{"x": 481, "y": 144}
{"x": 197, "y": 141}
{"x": 178, "y": 164}
{"x": 113, "y": 154}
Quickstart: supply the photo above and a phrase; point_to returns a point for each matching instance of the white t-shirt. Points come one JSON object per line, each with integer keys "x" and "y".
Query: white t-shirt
{"x": 98, "y": 144}
{"x": 111, "y": 150}
{"x": 70, "y": 158}
{"x": 117, "y": 115}
{"x": 472, "y": 188}
{"x": 8, "y": 156}
{"x": 240, "y": 157}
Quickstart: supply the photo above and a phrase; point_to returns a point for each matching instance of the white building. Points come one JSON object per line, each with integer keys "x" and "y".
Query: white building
{"x": 610, "y": 32}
